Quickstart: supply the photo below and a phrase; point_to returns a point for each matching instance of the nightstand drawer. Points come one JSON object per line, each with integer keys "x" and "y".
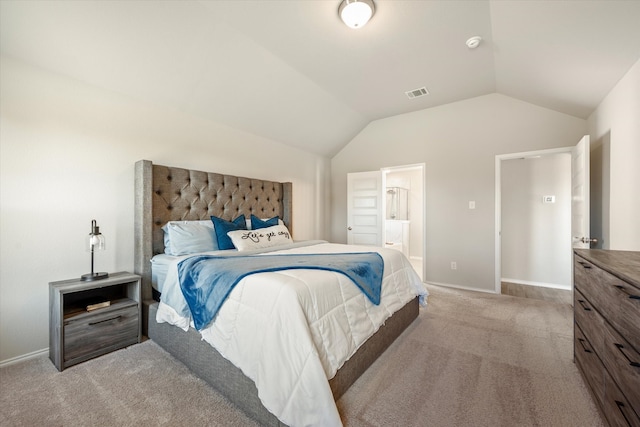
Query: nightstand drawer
{"x": 87, "y": 336}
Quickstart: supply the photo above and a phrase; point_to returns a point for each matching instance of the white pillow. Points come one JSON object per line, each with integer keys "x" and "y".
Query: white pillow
{"x": 188, "y": 237}
{"x": 245, "y": 240}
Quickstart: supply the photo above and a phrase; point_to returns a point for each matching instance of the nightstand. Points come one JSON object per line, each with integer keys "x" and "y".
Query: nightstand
{"x": 89, "y": 319}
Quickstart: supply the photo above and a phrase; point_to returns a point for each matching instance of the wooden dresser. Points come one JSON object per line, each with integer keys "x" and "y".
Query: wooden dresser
{"x": 607, "y": 330}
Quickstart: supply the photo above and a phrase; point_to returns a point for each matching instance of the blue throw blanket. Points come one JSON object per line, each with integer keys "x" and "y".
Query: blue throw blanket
{"x": 207, "y": 280}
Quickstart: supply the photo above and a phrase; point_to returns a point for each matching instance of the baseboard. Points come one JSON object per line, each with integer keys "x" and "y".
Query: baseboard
{"x": 539, "y": 284}
{"x": 24, "y": 357}
{"x": 464, "y": 288}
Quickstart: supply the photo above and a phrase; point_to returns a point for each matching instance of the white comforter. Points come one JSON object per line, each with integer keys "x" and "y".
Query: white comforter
{"x": 290, "y": 331}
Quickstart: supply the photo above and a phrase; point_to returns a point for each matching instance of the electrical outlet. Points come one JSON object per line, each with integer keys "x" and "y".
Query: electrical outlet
{"x": 454, "y": 265}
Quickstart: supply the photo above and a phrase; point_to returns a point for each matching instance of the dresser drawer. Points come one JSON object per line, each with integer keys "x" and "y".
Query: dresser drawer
{"x": 586, "y": 276}
{"x": 590, "y": 365}
{"x": 616, "y": 407}
{"x": 625, "y": 308}
{"x": 89, "y": 336}
{"x": 623, "y": 364}
{"x": 616, "y": 300}
{"x": 589, "y": 320}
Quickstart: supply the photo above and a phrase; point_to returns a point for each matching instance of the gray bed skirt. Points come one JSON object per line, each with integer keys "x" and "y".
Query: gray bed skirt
{"x": 205, "y": 362}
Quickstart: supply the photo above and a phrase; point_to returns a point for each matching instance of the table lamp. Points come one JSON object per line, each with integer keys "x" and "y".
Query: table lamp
{"x": 95, "y": 243}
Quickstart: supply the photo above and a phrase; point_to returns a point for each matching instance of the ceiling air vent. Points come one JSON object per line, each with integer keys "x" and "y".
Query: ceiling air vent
{"x": 417, "y": 92}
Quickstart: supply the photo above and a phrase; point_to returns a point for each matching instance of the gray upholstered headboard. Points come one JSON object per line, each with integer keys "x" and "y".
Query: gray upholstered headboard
{"x": 164, "y": 193}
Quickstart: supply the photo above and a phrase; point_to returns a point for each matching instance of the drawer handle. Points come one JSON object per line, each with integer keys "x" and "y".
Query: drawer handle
{"x": 620, "y": 348}
{"x": 105, "y": 320}
{"x": 584, "y": 305}
{"x": 584, "y": 264}
{"x": 620, "y": 406}
{"x": 584, "y": 347}
{"x": 624, "y": 291}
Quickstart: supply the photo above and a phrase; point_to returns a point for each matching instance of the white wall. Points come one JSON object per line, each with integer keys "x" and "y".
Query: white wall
{"x": 67, "y": 154}
{"x": 536, "y": 236}
{"x": 416, "y": 209}
{"x": 458, "y": 143}
{"x": 615, "y": 180}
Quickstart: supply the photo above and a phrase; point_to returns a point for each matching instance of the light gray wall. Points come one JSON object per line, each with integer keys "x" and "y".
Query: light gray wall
{"x": 615, "y": 139}
{"x": 67, "y": 153}
{"x": 536, "y": 236}
{"x": 458, "y": 143}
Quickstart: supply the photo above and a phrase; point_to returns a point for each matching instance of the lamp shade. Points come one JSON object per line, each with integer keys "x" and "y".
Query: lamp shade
{"x": 95, "y": 242}
{"x": 356, "y": 13}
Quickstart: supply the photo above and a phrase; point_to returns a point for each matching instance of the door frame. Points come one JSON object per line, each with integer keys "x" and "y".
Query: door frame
{"x": 498, "y": 202}
{"x": 423, "y": 168}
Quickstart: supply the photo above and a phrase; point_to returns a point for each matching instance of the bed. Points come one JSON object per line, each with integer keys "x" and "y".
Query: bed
{"x": 164, "y": 194}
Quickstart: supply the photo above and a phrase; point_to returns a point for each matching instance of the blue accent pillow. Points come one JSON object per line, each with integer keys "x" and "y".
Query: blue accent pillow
{"x": 222, "y": 227}
{"x": 257, "y": 223}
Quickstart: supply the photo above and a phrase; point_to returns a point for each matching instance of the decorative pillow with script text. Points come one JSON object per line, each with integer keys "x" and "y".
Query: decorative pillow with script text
{"x": 245, "y": 240}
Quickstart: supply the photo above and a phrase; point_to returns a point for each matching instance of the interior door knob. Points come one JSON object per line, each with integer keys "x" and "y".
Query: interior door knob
{"x": 588, "y": 240}
{"x": 349, "y": 228}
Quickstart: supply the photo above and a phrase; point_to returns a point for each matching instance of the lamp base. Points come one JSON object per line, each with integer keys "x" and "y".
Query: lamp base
{"x": 93, "y": 276}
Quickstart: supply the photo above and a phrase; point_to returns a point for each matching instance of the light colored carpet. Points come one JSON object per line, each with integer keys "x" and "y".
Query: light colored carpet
{"x": 470, "y": 359}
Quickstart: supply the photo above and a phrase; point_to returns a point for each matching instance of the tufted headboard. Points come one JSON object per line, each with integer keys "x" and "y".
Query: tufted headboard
{"x": 164, "y": 193}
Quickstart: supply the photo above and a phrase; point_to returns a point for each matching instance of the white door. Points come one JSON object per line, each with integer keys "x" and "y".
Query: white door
{"x": 580, "y": 194}
{"x": 365, "y": 222}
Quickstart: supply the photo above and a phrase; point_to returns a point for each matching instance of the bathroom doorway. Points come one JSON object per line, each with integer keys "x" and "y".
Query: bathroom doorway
{"x": 404, "y": 212}
{"x": 387, "y": 208}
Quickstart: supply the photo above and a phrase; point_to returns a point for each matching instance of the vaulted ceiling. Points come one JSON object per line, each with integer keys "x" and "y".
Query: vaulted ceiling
{"x": 291, "y": 71}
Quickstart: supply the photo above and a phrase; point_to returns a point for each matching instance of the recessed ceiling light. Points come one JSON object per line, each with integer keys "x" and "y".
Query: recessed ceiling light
{"x": 474, "y": 42}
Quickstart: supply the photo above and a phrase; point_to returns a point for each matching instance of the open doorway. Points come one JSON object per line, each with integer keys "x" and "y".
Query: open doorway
{"x": 404, "y": 212}
{"x": 536, "y": 226}
{"x": 542, "y": 212}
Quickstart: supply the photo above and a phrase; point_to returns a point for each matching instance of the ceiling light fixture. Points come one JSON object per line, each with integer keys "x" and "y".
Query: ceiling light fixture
{"x": 474, "y": 42}
{"x": 356, "y": 13}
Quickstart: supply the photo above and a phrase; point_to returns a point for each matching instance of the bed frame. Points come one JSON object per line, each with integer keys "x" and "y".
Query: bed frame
{"x": 165, "y": 194}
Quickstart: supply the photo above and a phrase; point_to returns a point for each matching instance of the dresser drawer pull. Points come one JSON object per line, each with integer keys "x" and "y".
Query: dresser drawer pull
{"x": 584, "y": 264}
{"x": 631, "y": 362}
{"x": 584, "y": 305}
{"x": 624, "y": 291}
{"x": 621, "y": 406}
{"x": 584, "y": 347}
{"x": 105, "y": 320}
